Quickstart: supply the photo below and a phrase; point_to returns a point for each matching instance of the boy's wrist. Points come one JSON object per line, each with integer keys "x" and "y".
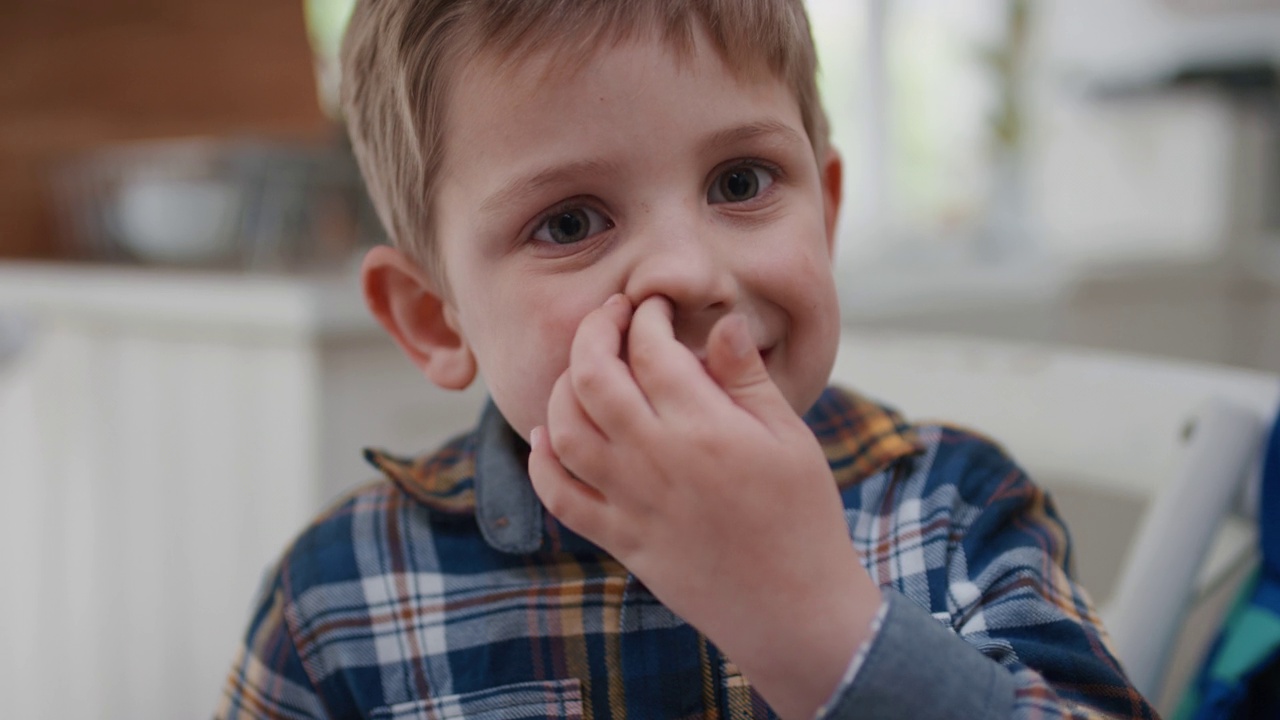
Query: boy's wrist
{"x": 798, "y": 664}
{"x": 855, "y": 663}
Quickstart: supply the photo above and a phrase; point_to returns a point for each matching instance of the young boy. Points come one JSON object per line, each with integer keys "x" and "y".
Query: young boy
{"x": 621, "y": 214}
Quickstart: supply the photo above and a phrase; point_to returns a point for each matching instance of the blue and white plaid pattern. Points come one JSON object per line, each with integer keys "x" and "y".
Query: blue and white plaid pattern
{"x": 394, "y": 605}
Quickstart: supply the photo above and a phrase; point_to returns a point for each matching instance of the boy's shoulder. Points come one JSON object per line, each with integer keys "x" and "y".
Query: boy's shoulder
{"x": 863, "y": 438}
{"x": 893, "y": 468}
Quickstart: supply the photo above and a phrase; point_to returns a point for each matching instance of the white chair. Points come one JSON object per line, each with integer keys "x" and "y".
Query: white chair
{"x": 1169, "y": 448}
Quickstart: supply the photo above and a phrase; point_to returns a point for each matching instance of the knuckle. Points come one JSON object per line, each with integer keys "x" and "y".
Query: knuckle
{"x": 589, "y": 380}
{"x": 563, "y": 441}
{"x": 705, "y": 439}
{"x": 637, "y": 354}
{"x": 645, "y": 358}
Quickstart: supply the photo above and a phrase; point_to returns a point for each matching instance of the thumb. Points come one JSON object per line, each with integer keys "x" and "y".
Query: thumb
{"x": 735, "y": 364}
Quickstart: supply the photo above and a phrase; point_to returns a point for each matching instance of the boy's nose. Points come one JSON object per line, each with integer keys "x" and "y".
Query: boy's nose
{"x": 694, "y": 274}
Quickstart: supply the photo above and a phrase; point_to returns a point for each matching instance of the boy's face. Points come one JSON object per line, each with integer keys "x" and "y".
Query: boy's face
{"x": 638, "y": 173}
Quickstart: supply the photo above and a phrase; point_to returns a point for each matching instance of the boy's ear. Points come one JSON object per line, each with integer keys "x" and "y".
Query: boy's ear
{"x": 405, "y": 302}
{"x": 832, "y": 171}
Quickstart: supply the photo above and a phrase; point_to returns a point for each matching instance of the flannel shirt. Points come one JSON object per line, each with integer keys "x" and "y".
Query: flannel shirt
{"x": 449, "y": 592}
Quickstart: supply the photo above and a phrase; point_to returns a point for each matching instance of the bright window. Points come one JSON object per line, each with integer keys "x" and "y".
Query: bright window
{"x": 914, "y": 94}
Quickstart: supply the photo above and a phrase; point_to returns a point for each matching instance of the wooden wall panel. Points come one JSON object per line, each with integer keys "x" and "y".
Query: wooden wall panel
{"x": 75, "y": 74}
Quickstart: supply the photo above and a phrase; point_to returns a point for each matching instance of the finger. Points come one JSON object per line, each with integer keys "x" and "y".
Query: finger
{"x": 576, "y": 441}
{"x": 734, "y": 362}
{"x": 579, "y": 506}
{"x": 668, "y": 373}
{"x": 601, "y": 380}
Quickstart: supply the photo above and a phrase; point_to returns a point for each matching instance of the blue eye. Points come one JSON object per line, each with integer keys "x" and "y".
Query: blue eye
{"x": 570, "y": 225}
{"x": 739, "y": 184}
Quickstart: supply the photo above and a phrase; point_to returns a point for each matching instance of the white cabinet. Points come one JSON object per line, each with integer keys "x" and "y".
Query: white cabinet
{"x": 162, "y": 437}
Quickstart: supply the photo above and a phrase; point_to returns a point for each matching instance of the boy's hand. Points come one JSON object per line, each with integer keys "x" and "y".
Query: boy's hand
{"x": 707, "y": 486}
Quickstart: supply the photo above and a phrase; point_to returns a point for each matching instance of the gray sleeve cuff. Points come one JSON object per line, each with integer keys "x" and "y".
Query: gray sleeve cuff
{"x": 916, "y": 668}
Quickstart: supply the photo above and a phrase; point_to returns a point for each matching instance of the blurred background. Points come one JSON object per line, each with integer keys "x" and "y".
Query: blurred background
{"x": 187, "y": 372}
{"x": 1099, "y": 173}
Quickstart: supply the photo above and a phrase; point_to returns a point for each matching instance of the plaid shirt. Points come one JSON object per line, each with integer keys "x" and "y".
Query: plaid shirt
{"x": 448, "y": 592}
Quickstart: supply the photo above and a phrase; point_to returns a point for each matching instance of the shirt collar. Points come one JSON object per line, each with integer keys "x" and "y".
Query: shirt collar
{"x": 484, "y": 474}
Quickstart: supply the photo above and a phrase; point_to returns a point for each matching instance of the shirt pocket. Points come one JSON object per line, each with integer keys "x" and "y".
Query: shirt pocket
{"x": 523, "y": 701}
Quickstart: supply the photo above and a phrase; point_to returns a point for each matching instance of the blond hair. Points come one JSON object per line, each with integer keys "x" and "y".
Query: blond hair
{"x": 399, "y": 56}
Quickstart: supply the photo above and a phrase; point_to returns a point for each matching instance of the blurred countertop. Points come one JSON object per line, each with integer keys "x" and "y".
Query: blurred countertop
{"x": 308, "y": 305}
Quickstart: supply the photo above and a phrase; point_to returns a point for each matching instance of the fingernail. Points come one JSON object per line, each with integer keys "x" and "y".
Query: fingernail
{"x": 740, "y": 337}
{"x": 535, "y": 437}
{"x": 615, "y": 300}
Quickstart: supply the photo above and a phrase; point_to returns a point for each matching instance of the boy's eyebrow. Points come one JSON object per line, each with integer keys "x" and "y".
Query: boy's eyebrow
{"x": 752, "y": 131}
{"x": 513, "y": 191}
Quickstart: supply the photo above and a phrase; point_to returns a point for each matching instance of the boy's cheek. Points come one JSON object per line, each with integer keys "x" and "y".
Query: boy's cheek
{"x": 533, "y": 355}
